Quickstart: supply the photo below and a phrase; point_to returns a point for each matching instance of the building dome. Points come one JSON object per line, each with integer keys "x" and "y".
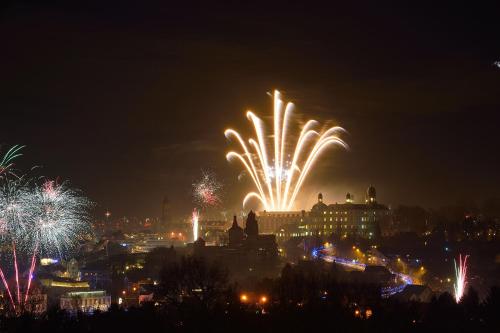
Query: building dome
{"x": 371, "y": 194}
{"x": 348, "y": 197}
{"x": 320, "y": 205}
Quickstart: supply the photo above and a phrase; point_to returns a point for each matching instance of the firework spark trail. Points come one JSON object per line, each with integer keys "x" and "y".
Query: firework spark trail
{"x": 289, "y": 175}
{"x": 7, "y": 159}
{"x": 12, "y": 212}
{"x": 206, "y": 190}
{"x": 195, "y": 217}
{"x": 30, "y": 274}
{"x": 6, "y": 285}
{"x": 16, "y": 272}
{"x": 460, "y": 277}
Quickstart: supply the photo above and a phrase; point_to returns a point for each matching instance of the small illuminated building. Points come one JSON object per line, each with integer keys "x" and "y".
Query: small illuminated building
{"x": 85, "y": 301}
{"x": 58, "y": 282}
{"x": 214, "y": 231}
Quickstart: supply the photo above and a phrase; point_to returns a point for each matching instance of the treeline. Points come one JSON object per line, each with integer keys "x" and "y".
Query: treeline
{"x": 460, "y": 221}
{"x": 198, "y": 296}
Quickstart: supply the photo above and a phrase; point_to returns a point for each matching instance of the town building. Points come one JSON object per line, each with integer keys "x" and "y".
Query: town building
{"x": 214, "y": 231}
{"x": 85, "y": 301}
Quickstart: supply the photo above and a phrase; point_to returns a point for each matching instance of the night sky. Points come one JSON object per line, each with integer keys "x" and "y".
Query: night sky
{"x": 129, "y": 99}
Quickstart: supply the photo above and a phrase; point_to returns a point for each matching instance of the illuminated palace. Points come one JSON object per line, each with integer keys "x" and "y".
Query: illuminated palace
{"x": 345, "y": 219}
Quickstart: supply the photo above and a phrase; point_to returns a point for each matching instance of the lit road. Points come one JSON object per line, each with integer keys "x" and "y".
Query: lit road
{"x": 402, "y": 279}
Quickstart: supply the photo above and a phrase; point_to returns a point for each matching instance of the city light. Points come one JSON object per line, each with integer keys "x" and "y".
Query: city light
{"x": 278, "y": 179}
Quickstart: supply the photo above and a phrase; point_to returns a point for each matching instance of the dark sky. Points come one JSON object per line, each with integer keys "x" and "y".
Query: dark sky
{"x": 129, "y": 99}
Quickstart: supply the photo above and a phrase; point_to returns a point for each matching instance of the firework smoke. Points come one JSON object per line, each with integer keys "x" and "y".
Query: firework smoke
{"x": 278, "y": 179}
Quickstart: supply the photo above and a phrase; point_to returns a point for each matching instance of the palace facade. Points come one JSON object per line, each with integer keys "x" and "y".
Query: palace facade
{"x": 344, "y": 219}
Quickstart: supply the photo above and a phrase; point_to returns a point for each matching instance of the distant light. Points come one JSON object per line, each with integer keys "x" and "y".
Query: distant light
{"x": 497, "y": 64}
{"x": 243, "y": 298}
{"x": 263, "y": 299}
{"x": 48, "y": 261}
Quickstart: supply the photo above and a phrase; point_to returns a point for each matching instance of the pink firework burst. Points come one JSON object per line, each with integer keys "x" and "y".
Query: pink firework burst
{"x": 206, "y": 190}
{"x": 49, "y": 189}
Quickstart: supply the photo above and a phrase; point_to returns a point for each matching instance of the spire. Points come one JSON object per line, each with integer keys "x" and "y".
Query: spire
{"x": 235, "y": 222}
{"x": 236, "y": 235}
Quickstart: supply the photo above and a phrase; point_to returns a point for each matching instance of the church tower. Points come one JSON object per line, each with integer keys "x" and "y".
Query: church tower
{"x": 251, "y": 226}
{"x": 236, "y": 235}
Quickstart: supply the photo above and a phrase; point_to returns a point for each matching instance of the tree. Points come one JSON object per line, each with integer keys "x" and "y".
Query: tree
{"x": 193, "y": 279}
{"x": 158, "y": 258}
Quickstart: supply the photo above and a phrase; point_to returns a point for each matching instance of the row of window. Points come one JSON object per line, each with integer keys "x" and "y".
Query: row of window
{"x": 345, "y": 212}
{"x": 312, "y": 233}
